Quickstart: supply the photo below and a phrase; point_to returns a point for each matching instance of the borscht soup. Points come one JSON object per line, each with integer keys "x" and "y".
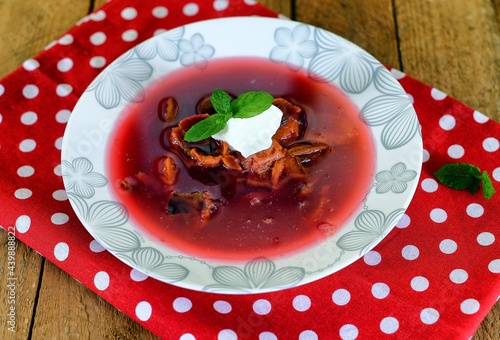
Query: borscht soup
{"x": 205, "y": 199}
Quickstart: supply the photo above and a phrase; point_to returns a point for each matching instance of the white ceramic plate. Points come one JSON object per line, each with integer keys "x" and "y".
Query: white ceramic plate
{"x": 383, "y": 104}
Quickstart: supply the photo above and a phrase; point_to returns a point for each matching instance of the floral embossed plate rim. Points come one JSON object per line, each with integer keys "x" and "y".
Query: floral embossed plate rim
{"x": 384, "y": 105}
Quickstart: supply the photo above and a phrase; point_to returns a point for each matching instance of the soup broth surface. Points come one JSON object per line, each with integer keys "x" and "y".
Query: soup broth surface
{"x": 281, "y": 222}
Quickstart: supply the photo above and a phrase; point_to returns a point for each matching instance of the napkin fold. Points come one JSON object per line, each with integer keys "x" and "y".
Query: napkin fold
{"x": 434, "y": 276}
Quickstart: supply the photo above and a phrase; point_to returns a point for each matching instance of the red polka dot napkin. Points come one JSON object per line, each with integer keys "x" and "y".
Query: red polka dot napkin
{"x": 434, "y": 276}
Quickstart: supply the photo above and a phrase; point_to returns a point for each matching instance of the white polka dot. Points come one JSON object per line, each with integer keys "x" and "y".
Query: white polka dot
{"x": 29, "y": 118}
{"x": 429, "y": 185}
{"x": 143, "y": 310}
{"x": 437, "y": 94}
{"x": 494, "y": 266}
{"x": 389, "y": 325}
{"x": 250, "y": 2}
{"x": 187, "y": 336}
{"x": 447, "y": 122}
{"x": 222, "y": 307}
{"x": 2, "y": 89}
{"x": 63, "y": 90}
{"x": 341, "y": 297}
{"x": 348, "y": 332}
{"x": 130, "y": 35}
{"x": 98, "y": 38}
{"x": 480, "y": 117}
{"x": 23, "y": 193}
{"x": 220, "y": 5}
{"x": 137, "y": 276}
{"x": 491, "y": 144}
{"x": 410, "y": 252}
{"x": 182, "y": 304}
{"x": 27, "y": 145}
{"x": 96, "y": 247}
{"x": 308, "y": 335}
{"x": 227, "y": 334}
{"x": 429, "y": 316}
{"x": 475, "y": 210}
{"x": 419, "y": 283}
{"x": 160, "y": 12}
{"x": 456, "y": 151}
{"x": 267, "y": 336}
{"x": 301, "y": 303}
{"x": 65, "y": 64}
{"x": 98, "y": 16}
{"x": 101, "y": 280}
{"x": 448, "y": 246}
{"x": 63, "y": 116}
{"x": 458, "y": 276}
{"x": 190, "y": 9}
{"x": 58, "y": 143}
{"x": 426, "y": 155}
{"x": 31, "y": 64}
{"x": 61, "y": 251}
{"x": 30, "y": 91}
{"x": 57, "y": 170}
{"x": 496, "y": 174}
{"x": 129, "y": 13}
{"x": 261, "y": 307}
{"x": 438, "y": 215}
{"x": 25, "y": 171}
{"x": 60, "y": 195}
{"x": 372, "y": 258}
{"x": 403, "y": 222}
{"x": 66, "y": 39}
{"x": 23, "y": 223}
{"x": 397, "y": 73}
{"x": 410, "y": 97}
{"x": 97, "y": 62}
{"x": 59, "y": 218}
{"x": 380, "y": 290}
{"x": 50, "y": 45}
{"x": 485, "y": 238}
{"x": 469, "y": 306}
{"x": 159, "y": 31}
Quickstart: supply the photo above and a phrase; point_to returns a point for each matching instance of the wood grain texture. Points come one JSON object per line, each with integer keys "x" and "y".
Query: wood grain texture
{"x": 367, "y": 23}
{"x": 463, "y": 59}
{"x": 27, "y": 269}
{"x": 66, "y": 307}
{"x": 420, "y": 37}
{"x": 28, "y": 26}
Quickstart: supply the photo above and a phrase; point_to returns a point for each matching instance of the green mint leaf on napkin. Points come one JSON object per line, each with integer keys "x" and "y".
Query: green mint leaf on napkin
{"x": 206, "y": 127}
{"x": 487, "y": 185}
{"x": 247, "y": 105}
{"x": 251, "y": 104}
{"x": 463, "y": 176}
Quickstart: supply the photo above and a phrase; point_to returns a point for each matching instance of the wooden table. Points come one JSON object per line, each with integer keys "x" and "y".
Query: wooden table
{"x": 453, "y": 45}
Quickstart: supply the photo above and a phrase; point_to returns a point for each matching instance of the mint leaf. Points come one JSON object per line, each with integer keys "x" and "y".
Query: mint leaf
{"x": 206, "y": 128}
{"x": 251, "y": 104}
{"x": 247, "y": 105}
{"x": 487, "y": 185}
{"x": 465, "y": 176}
{"x": 459, "y": 176}
{"x": 221, "y": 102}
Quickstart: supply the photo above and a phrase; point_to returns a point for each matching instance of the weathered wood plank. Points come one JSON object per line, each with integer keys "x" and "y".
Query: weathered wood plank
{"x": 367, "y": 23}
{"x": 28, "y": 26}
{"x": 66, "y": 307}
{"x": 463, "y": 59}
{"x": 18, "y": 289}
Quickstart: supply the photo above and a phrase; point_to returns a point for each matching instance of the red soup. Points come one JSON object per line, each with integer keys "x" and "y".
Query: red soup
{"x": 255, "y": 221}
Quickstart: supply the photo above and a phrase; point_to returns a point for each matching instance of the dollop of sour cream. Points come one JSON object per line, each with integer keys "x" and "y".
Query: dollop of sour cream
{"x": 251, "y": 135}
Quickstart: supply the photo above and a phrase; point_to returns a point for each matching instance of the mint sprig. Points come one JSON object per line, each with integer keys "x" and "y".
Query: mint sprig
{"x": 464, "y": 176}
{"x": 247, "y": 105}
